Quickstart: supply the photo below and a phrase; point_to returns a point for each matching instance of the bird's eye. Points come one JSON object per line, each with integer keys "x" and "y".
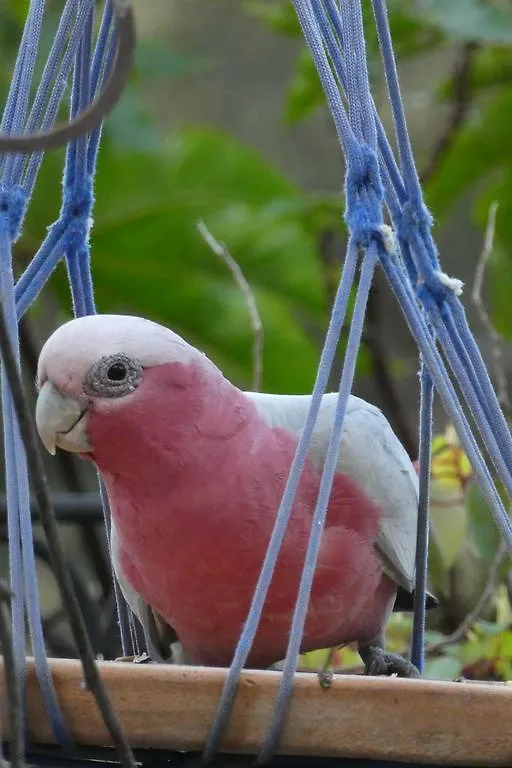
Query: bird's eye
{"x": 117, "y": 372}
{"x": 113, "y": 376}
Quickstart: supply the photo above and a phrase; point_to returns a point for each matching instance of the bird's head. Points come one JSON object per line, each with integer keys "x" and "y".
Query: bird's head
{"x": 111, "y": 375}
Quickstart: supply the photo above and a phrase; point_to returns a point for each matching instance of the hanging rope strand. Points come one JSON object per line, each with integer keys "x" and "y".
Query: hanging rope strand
{"x": 425, "y": 455}
{"x": 318, "y": 522}
{"x": 251, "y": 625}
{"x": 15, "y": 193}
{"x": 91, "y": 674}
{"x": 22, "y": 565}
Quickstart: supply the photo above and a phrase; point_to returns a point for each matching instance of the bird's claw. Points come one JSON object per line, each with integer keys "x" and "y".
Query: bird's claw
{"x": 380, "y": 662}
{"x": 141, "y": 658}
{"x": 325, "y": 678}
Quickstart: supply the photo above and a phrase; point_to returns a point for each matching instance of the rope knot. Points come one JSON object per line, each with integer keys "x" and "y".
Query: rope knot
{"x": 78, "y": 202}
{"x": 13, "y": 204}
{"x": 436, "y": 287}
{"x": 415, "y": 218}
{"x": 75, "y": 215}
{"x": 364, "y": 194}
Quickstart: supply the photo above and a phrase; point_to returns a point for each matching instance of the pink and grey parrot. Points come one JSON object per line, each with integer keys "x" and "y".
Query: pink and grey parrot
{"x": 195, "y": 469}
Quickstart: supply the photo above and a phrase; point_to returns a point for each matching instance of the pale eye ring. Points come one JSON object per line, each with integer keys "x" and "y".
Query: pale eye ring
{"x": 113, "y": 376}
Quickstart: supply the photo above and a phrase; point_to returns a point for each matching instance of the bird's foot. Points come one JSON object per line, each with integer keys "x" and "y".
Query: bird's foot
{"x": 141, "y": 658}
{"x": 380, "y": 662}
{"x": 325, "y": 678}
{"x": 326, "y": 673}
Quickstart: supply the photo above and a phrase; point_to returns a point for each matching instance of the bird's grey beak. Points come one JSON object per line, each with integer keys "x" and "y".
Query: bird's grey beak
{"x": 61, "y": 421}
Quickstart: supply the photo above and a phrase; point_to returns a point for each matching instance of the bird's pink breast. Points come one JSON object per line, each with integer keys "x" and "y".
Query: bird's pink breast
{"x": 195, "y": 481}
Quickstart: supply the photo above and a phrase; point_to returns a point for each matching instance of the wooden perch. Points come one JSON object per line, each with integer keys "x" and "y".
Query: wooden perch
{"x": 374, "y": 718}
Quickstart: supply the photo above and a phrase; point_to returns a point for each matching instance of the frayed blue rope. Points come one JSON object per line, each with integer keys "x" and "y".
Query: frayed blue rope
{"x": 13, "y": 202}
{"x": 416, "y": 263}
{"x": 68, "y": 236}
{"x": 446, "y": 390}
{"x": 22, "y": 559}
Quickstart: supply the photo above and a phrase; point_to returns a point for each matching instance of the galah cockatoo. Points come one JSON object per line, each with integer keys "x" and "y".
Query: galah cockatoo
{"x": 195, "y": 468}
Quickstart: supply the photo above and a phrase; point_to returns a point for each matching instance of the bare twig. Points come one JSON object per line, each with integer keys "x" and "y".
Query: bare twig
{"x": 473, "y": 616}
{"x": 461, "y": 84}
{"x": 494, "y": 336}
{"x": 92, "y": 676}
{"x": 16, "y": 730}
{"x": 222, "y": 252}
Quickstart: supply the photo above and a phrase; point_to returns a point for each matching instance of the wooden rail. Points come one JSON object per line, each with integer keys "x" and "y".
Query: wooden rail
{"x": 373, "y": 718}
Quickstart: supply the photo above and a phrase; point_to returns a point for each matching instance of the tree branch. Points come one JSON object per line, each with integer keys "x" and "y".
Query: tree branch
{"x": 475, "y": 614}
{"x": 463, "y": 97}
{"x": 222, "y": 252}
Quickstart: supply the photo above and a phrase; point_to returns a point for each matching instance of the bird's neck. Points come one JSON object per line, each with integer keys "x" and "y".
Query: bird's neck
{"x": 174, "y": 437}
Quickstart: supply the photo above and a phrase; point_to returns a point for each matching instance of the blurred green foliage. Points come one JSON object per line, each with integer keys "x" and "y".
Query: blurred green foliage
{"x": 149, "y": 259}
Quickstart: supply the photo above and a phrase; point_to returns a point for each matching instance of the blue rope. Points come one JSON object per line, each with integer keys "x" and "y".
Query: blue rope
{"x": 21, "y": 90}
{"x": 425, "y": 457}
{"x": 101, "y": 64}
{"x": 486, "y": 429}
{"x": 121, "y": 606}
{"x": 435, "y": 297}
{"x": 335, "y": 37}
{"x": 69, "y": 237}
{"x": 408, "y": 167}
{"x": 283, "y": 515}
{"x": 318, "y": 522}
{"x": 78, "y": 198}
{"x": 58, "y": 73}
{"x": 363, "y": 194}
{"x": 22, "y": 75}
{"x": 22, "y": 565}
{"x": 446, "y": 390}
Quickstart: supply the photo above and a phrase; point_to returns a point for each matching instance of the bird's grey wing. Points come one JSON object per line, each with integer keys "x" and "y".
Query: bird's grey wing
{"x": 371, "y": 454}
{"x": 374, "y": 457}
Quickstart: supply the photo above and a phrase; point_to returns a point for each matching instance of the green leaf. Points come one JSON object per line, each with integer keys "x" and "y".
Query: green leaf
{"x": 444, "y": 668}
{"x": 129, "y": 125}
{"x": 154, "y": 59}
{"x": 500, "y": 279}
{"x": 448, "y": 521}
{"x": 490, "y": 629}
{"x": 481, "y": 20}
{"x": 149, "y": 259}
{"x": 412, "y": 34}
{"x": 279, "y": 15}
{"x": 18, "y": 9}
{"x": 492, "y": 66}
{"x": 438, "y": 576}
{"x": 481, "y": 149}
{"x": 482, "y": 528}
